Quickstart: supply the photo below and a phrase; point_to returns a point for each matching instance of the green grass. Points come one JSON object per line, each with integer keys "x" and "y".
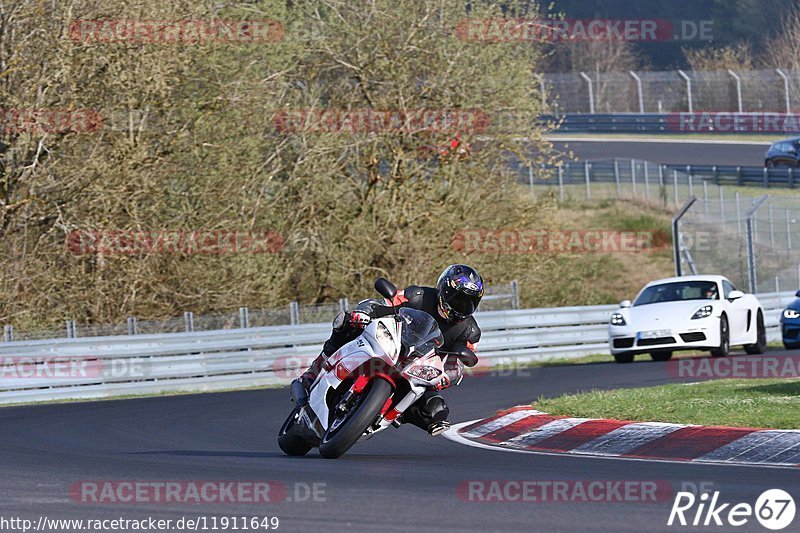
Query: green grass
{"x": 760, "y": 403}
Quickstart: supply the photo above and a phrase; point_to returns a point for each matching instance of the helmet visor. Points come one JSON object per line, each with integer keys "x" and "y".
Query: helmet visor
{"x": 462, "y": 305}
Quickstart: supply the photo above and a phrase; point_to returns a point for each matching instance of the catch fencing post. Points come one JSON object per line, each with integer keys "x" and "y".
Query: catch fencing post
{"x": 786, "y": 90}
{"x": 639, "y": 89}
{"x": 633, "y": 176}
{"x": 676, "y": 235}
{"x": 646, "y": 182}
{"x": 616, "y": 175}
{"x": 771, "y": 227}
{"x": 8, "y": 330}
{"x": 591, "y": 91}
{"x": 705, "y": 196}
{"x": 343, "y": 304}
{"x": 751, "y": 253}
{"x": 131, "y": 325}
{"x": 777, "y": 284}
{"x": 70, "y": 329}
{"x": 561, "y": 183}
{"x": 294, "y": 313}
{"x": 586, "y": 165}
{"x": 722, "y": 206}
{"x": 244, "y": 317}
{"x": 675, "y": 185}
{"x": 188, "y": 321}
{"x": 688, "y": 89}
{"x": 738, "y": 213}
{"x": 738, "y": 89}
{"x": 788, "y": 230}
{"x": 530, "y": 180}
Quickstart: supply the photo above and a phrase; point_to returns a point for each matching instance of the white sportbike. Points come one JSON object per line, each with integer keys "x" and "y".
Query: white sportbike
{"x": 368, "y": 383}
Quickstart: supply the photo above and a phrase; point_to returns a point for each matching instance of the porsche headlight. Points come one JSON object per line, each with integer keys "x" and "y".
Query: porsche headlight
{"x": 791, "y": 313}
{"x": 385, "y": 339}
{"x": 703, "y": 312}
{"x": 617, "y": 319}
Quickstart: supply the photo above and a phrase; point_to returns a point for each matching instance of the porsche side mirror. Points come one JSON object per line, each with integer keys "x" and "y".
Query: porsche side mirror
{"x": 385, "y": 288}
{"x": 627, "y": 303}
{"x": 735, "y": 295}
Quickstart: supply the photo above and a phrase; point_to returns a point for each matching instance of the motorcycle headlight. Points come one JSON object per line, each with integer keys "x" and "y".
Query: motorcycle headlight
{"x": 703, "y": 312}
{"x": 428, "y": 373}
{"x": 385, "y": 339}
{"x": 617, "y": 319}
{"x": 791, "y": 313}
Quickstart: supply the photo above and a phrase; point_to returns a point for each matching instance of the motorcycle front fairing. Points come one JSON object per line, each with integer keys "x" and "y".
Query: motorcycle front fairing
{"x": 377, "y": 342}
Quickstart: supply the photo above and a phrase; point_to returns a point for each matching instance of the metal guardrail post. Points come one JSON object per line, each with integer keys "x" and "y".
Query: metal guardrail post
{"x": 188, "y": 320}
{"x": 131, "y": 325}
{"x": 721, "y": 206}
{"x": 70, "y": 329}
{"x": 591, "y": 91}
{"x": 765, "y": 179}
{"x": 705, "y": 197}
{"x": 676, "y": 245}
{"x": 777, "y": 284}
{"x": 688, "y": 89}
{"x": 294, "y": 313}
{"x": 751, "y": 253}
{"x": 8, "y": 333}
{"x": 514, "y": 294}
{"x": 244, "y": 317}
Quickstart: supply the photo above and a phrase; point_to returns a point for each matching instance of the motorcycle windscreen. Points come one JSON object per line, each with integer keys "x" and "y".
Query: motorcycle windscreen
{"x": 420, "y": 330}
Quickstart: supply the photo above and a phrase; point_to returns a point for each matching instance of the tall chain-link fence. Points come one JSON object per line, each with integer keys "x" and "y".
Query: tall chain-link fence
{"x": 675, "y": 91}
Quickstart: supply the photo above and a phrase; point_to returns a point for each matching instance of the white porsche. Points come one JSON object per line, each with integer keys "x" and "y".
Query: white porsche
{"x": 687, "y": 313}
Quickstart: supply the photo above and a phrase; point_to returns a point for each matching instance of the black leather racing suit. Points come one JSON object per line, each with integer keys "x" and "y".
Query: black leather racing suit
{"x": 431, "y": 407}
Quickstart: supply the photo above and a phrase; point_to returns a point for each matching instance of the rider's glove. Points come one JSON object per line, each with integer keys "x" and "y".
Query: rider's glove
{"x": 358, "y": 319}
{"x": 351, "y": 319}
{"x": 453, "y": 372}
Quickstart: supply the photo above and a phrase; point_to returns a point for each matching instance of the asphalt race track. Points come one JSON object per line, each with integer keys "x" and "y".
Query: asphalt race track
{"x": 668, "y": 151}
{"x": 401, "y": 479}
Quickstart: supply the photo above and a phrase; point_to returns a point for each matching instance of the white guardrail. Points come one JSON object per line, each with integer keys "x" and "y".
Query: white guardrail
{"x": 104, "y": 367}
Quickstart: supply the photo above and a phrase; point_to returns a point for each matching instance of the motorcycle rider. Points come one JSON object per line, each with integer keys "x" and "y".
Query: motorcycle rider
{"x": 451, "y": 303}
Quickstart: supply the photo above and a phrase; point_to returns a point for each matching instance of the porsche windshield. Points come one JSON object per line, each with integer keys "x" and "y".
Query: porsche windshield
{"x": 420, "y": 330}
{"x": 678, "y": 291}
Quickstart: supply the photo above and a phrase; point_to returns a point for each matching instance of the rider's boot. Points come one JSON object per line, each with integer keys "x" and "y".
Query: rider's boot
{"x": 302, "y": 386}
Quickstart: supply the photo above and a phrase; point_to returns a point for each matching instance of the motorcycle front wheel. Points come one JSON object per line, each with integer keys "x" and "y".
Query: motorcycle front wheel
{"x": 345, "y": 431}
{"x": 288, "y": 440}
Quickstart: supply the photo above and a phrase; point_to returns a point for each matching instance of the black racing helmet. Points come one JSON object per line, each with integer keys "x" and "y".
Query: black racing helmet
{"x": 460, "y": 291}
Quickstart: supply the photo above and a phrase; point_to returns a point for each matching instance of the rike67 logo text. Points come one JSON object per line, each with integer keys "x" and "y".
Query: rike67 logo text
{"x": 774, "y": 509}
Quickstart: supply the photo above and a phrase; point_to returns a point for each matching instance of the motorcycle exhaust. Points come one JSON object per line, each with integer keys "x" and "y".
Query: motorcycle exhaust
{"x": 299, "y": 394}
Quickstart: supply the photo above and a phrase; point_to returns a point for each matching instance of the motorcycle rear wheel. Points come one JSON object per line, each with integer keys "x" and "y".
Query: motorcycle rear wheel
{"x": 336, "y": 441}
